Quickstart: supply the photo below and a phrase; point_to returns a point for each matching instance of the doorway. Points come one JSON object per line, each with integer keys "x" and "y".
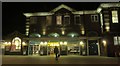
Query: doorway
{"x": 51, "y": 46}
{"x": 93, "y": 47}
{"x": 34, "y": 49}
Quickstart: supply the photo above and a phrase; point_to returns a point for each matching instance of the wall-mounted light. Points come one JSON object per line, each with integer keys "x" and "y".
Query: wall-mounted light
{"x": 72, "y": 35}
{"x": 61, "y": 43}
{"x": 81, "y": 43}
{"x": 107, "y": 28}
{"x": 41, "y": 43}
{"x": 65, "y": 43}
{"x": 7, "y": 43}
{"x": 45, "y": 43}
{"x": 63, "y": 32}
{"x": 104, "y": 42}
{"x": 23, "y": 43}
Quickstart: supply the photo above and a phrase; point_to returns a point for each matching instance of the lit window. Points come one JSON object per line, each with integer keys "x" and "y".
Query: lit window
{"x": 48, "y": 20}
{"x": 114, "y": 16}
{"x": 77, "y": 19}
{"x": 119, "y": 40}
{"x": 66, "y": 19}
{"x": 33, "y": 20}
{"x": 116, "y": 40}
{"x": 59, "y": 20}
{"x": 94, "y": 18}
{"x": 16, "y": 44}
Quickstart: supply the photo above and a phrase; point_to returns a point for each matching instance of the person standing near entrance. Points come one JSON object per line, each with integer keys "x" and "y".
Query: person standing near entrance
{"x": 56, "y": 51}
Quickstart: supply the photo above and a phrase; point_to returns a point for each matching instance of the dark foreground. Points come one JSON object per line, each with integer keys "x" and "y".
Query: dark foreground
{"x": 70, "y": 59}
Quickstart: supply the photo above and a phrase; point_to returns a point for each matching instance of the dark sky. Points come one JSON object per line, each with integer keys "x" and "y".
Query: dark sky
{"x": 13, "y": 18}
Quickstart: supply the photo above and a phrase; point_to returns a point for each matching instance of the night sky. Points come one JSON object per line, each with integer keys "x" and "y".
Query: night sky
{"x": 14, "y": 20}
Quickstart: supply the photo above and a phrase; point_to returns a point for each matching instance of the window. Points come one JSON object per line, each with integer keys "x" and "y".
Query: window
{"x": 16, "y": 44}
{"x": 94, "y": 18}
{"x": 66, "y": 19}
{"x": 116, "y": 40}
{"x": 77, "y": 19}
{"x": 114, "y": 16}
{"x": 59, "y": 20}
{"x": 119, "y": 40}
{"x": 49, "y": 20}
{"x": 33, "y": 20}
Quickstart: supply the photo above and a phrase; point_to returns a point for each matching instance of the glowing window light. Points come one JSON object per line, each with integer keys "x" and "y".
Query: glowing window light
{"x": 115, "y": 16}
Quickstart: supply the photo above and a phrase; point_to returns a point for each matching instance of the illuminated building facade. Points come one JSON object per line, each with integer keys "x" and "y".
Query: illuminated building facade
{"x": 87, "y": 32}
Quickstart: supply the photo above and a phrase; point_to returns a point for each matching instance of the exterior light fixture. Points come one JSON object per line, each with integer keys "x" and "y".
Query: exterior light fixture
{"x": 72, "y": 35}
{"x": 107, "y": 28}
{"x": 45, "y": 43}
{"x": 104, "y": 42}
{"x": 55, "y": 35}
{"x": 41, "y": 43}
{"x": 63, "y": 32}
{"x": 65, "y": 43}
{"x": 5, "y": 43}
{"x": 81, "y": 43}
{"x": 23, "y": 43}
{"x": 61, "y": 43}
{"x": 9, "y": 42}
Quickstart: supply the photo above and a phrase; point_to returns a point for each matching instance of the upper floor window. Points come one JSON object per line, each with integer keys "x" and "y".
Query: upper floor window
{"x": 49, "y": 20}
{"x": 77, "y": 19}
{"x": 94, "y": 18}
{"x": 116, "y": 40}
{"x": 66, "y": 19}
{"x": 114, "y": 16}
{"x": 58, "y": 20}
{"x": 33, "y": 20}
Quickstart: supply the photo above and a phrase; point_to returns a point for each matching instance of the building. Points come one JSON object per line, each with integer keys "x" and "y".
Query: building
{"x": 84, "y": 32}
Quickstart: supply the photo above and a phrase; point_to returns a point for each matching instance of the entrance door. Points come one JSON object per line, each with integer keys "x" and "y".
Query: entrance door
{"x": 93, "y": 47}
{"x": 51, "y": 46}
{"x": 35, "y": 49}
{"x": 73, "y": 49}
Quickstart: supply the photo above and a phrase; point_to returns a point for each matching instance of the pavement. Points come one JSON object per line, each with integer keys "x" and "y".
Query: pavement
{"x": 69, "y": 59}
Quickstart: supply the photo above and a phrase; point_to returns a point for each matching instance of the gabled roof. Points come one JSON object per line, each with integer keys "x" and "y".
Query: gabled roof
{"x": 15, "y": 34}
{"x": 63, "y": 6}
